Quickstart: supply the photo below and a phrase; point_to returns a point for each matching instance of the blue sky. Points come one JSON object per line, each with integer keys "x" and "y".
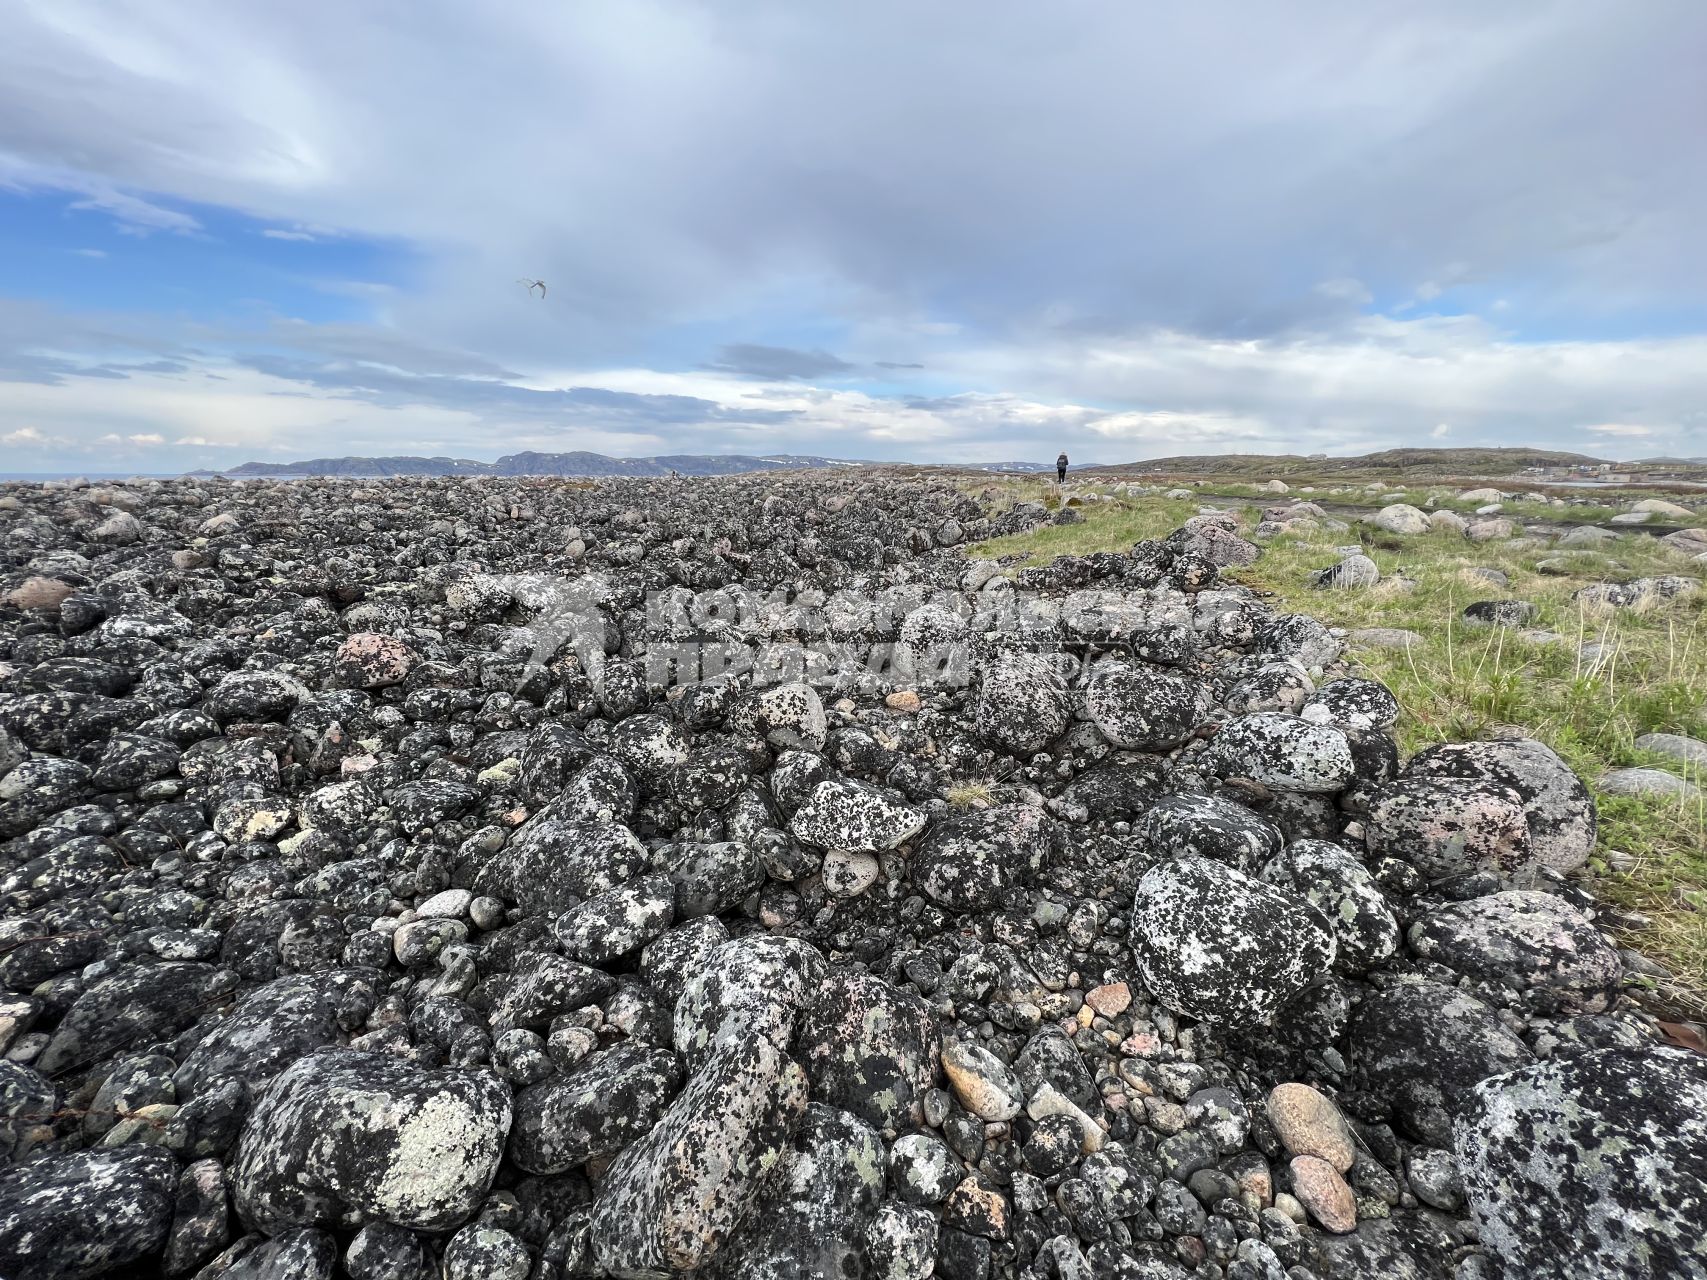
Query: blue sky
{"x": 243, "y": 230}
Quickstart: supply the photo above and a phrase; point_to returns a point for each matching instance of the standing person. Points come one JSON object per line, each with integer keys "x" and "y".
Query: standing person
{"x": 1061, "y": 467}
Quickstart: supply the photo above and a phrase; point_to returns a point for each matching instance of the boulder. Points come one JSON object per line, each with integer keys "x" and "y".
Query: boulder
{"x": 1338, "y": 885}
{"x": 810, "y": 1219}
{"x": 85, "y": 1213}
{"x": 609, "y": 1101}
{"x": 674, "y": 1198}
{"x": 751, "y": 986}
{"x": 1188, "y": 825}
{"x": 344, "y": 1137}
{"x": 1557, "y": 806}
{"x": 969, "y": 860}
{"x": 1144, "y": 708}
{"x": 1445, "y": 826}
{"x": 1284, "y": 752}
{"x": 1022, "y": 704}
{"x": 1215, "y": 944}
{"x": 1527, "y": 941}
{"x": 1401, "y": 519}
{"x": 1599, "y": 1158}
{"x": 1422, "y": 1046}
{"x": 856, "y": 817}
{"x": 868, "y": 1048}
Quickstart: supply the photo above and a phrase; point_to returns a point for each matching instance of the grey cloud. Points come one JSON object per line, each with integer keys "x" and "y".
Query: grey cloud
{"x": 1131, "y": 167}
{"x": 52, "y": 371}
{"x": 561, "y": 407}
{"x": 895, "y": 364}
{"x": 777, "y": 364}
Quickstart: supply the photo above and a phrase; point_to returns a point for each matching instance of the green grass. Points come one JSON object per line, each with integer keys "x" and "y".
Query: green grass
{"x": 1459, "y": 682}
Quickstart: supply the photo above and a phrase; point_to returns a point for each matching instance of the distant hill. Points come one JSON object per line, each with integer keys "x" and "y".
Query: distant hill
{"x": 578, "y": 463}
{"x": 1441, "y": 462}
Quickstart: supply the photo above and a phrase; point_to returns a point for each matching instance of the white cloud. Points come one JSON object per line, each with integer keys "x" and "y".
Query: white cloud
{"x": 24, "y": 436}
{"x": 1440, "y": 432}
{"x": 282, "y": 233}
{"x": 134, "y": 215}
{"x": 1627, "y": 429}
{"x": 90, "y": 253}
{"x": 140, "y": 438}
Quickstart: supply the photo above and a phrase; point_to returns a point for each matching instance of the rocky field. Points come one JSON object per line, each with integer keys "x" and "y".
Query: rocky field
{"x": 733, "y": 878}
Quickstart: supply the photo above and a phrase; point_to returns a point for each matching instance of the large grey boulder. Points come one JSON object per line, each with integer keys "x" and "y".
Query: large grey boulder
{"x": 810, "y": 1220}
{"x": 1560, "y": 812}
{"x": 1400, "y": 518}
{"x": 970, "y": 859}
{"x": 1022, "y": 704}
{"x": 1284, "y": 752}
{"x": 1527, "y": 941}
{"x": 1422, "y": 1046}
{"x": 1215, "y": 944}
{"x": 1144, "y": 708}
{"x": 71, "y": 1217}
{"x": 344, "y": 1137}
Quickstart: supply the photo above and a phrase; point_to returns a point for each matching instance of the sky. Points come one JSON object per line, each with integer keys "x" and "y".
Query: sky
{"x": 966, "y": 231}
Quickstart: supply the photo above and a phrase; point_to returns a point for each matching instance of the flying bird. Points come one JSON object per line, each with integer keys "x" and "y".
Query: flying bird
{"x": 534, "y": 284}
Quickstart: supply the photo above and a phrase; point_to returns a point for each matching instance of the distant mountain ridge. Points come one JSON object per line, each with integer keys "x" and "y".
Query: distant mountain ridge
{"x": 578, "y": 463}
{"x": 530, "y": 463}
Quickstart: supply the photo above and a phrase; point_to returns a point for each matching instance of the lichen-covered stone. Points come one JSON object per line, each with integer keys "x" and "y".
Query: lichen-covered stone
{"x": 1558, "y": 808}
{"x": 1337, "y": 884}
{"x": 1446, "y": 826}
{"x": 369, "y": 660}
{"x": 843, "y": 814}
{"x": 673, "y": 1199}
{"x": 1599, "y": 1161}
{"x": 618, "y": 921}
{"x": 1022, "y": 704}
{"x": 1423, "y": 1046}
{"x": 869, "y": 1048}
{"x": 553, "y": 861}
{"x": 786, "y": 715}
{"x": 1215, "y": 944}
{"x": 809, "y": 1220}
{"x": 1352, "y": 703}
{"x": 1188, "y": 825}
{"x": 74, "y": 1216}
{"x": 970, "y": 859}
{"x": 748, "y": 986}
{"x": 138, "y": 1002}
{"x": 1284, "y": 752}
{"x": 344, "y": 1137}
{"x": 275, "y": 1024}
{"x": 1144, "y": 708}
{"x": 611, "y": 1100}
{"x": 1528, "y": 941}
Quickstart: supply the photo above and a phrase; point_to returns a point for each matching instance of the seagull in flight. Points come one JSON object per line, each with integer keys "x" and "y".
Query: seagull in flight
{"x": 534, "y": 284}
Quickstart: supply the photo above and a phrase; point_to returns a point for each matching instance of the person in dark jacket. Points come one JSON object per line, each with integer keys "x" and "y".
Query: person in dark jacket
{"x": 1061, "y": 468}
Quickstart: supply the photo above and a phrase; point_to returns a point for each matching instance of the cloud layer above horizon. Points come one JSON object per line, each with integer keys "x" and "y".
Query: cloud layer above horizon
{"x": 959, "y": 232}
